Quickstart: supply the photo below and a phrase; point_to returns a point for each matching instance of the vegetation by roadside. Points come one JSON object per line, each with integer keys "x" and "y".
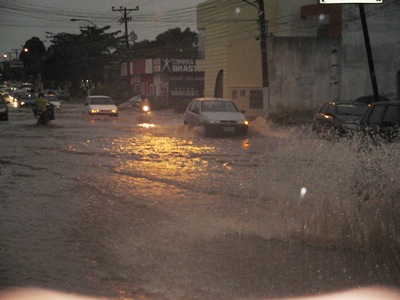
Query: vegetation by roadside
{"x": 292, "y": 117}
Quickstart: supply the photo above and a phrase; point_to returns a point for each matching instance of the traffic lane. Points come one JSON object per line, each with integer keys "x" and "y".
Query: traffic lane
{"x": 168, "y": 236}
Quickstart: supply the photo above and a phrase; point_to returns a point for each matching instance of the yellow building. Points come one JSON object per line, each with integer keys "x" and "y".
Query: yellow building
{"x": 229, "y": 44}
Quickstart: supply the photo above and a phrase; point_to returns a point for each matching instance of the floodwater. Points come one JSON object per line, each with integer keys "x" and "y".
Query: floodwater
{"x": 135, "y": 208}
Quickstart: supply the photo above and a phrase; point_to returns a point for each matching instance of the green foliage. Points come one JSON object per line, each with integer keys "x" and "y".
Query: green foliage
{"x": 292, "y": 116}
{"x": 171, "y": 43}
{"x": 79, "y": 57}
{"x": 33, "y": 56}
{"x": 73, "y": 59}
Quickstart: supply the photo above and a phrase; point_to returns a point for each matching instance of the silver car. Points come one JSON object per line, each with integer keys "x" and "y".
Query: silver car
{"x": 217, "y": 116}
{"x": 100, "y": 105}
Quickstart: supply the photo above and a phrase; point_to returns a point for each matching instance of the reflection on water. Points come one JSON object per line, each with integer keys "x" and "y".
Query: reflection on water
{"x": 147, "y": 125}
{"x": 117, "y": 208}
{"x": 161, "y": 157}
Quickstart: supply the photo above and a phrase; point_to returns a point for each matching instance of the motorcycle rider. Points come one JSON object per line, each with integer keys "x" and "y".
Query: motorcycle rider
{"x": 41, "y": 102}
{"x": 144, "y": 102}
{"x": 43, "y": 108}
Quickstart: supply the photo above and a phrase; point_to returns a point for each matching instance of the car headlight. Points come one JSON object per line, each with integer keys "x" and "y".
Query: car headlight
{"x": 2, "y": 109}
{"x": 244, "y": 122}
{"x": 213, "y": 121}
{"x": 114, "y": 111}
{"x": 94, "y": 111}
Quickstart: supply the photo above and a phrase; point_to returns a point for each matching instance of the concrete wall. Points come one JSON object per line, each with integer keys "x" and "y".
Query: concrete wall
{"x": 301, "y": 71}
{"x": 383, "y": 22}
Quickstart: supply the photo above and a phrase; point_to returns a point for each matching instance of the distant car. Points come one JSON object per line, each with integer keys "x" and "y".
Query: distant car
{"x": 216, "y": 116}
{"x": 53, "y": 99}
{"x": 381, "y": 122}
{"x": 48, "y": 93}
{"x": 26, "y": 100}
{"x": 329, "y": 119}
{"x": 3, "y": 108}
{"x": 7, "y": 96}
{"x": 100, "y": 105}
{"x": 63, "y": 95}
{"x": 155, "y": 102}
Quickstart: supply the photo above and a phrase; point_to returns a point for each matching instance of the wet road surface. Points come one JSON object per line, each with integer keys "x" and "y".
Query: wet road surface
{"x": 129, "y": 207}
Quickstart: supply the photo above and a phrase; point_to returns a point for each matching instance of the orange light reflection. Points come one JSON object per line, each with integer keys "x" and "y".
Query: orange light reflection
{"x": 162, "y": 158}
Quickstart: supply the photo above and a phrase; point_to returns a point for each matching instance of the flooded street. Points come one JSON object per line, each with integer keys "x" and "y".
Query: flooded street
{"x": 135, "y": 208}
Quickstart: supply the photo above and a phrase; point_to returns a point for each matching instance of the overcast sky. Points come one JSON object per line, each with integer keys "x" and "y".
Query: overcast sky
{"x": 22, "y": 19}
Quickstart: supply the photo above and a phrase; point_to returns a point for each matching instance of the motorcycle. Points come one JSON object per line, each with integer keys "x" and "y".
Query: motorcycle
{"x": 145, "y": 112}
{"x": 43, "y": 117}
{"x": 145, "y": 109}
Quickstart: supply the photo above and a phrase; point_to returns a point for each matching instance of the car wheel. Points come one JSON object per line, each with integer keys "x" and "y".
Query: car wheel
{"x": 207, "y": 130}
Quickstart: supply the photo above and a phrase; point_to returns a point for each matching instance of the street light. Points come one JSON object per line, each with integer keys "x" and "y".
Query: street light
{"x": 74, "y": 20}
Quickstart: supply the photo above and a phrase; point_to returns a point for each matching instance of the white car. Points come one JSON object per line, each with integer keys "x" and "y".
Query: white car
{"x": 216, "y": 116}
{"x": 100, "y": 105}
{"x": 54, "y": 101}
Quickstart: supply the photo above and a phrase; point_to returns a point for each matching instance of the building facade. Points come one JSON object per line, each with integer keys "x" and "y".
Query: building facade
{"x": 175, "y": 80}
{"x": 316, "y": 53}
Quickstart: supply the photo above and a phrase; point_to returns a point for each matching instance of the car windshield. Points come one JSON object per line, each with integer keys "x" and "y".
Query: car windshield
{"x": 351, "y": 109}
{"x": 218, "y": 106}
{"x": 101, "y": 100}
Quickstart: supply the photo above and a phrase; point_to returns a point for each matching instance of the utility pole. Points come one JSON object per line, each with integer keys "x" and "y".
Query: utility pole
{"x": 16, "y": 54}
{"x": 125, "y": 20}
{"x": 369, "y": 52}
{"x": 51, "y": 35}
{"x": 264, "y": 57}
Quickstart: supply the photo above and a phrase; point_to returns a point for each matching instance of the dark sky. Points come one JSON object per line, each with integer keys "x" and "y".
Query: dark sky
{"x": 22, "y": 19}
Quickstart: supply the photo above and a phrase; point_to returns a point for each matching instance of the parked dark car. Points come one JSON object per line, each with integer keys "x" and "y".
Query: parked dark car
{"x": 329, "y": 119}
{"x": 3, "y": 108}
{"x": 381, "y": 121}
{"x": 371, "y": 98}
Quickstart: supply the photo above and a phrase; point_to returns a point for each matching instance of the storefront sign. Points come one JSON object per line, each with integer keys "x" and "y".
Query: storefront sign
{"x": 172, "y": 65}
{"x": 16, "y": 64}
{"x": 185, "y": 86}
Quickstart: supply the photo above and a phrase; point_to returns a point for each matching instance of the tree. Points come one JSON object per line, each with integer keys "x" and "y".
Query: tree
{"x": 32, "y": 56}
{"x": 79, "y": 58}
{"x": 171, "y": 43}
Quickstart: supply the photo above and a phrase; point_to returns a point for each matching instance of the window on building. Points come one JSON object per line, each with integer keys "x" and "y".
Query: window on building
{"x": 256, "y": 99}
{"x": 234, "y": 94}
